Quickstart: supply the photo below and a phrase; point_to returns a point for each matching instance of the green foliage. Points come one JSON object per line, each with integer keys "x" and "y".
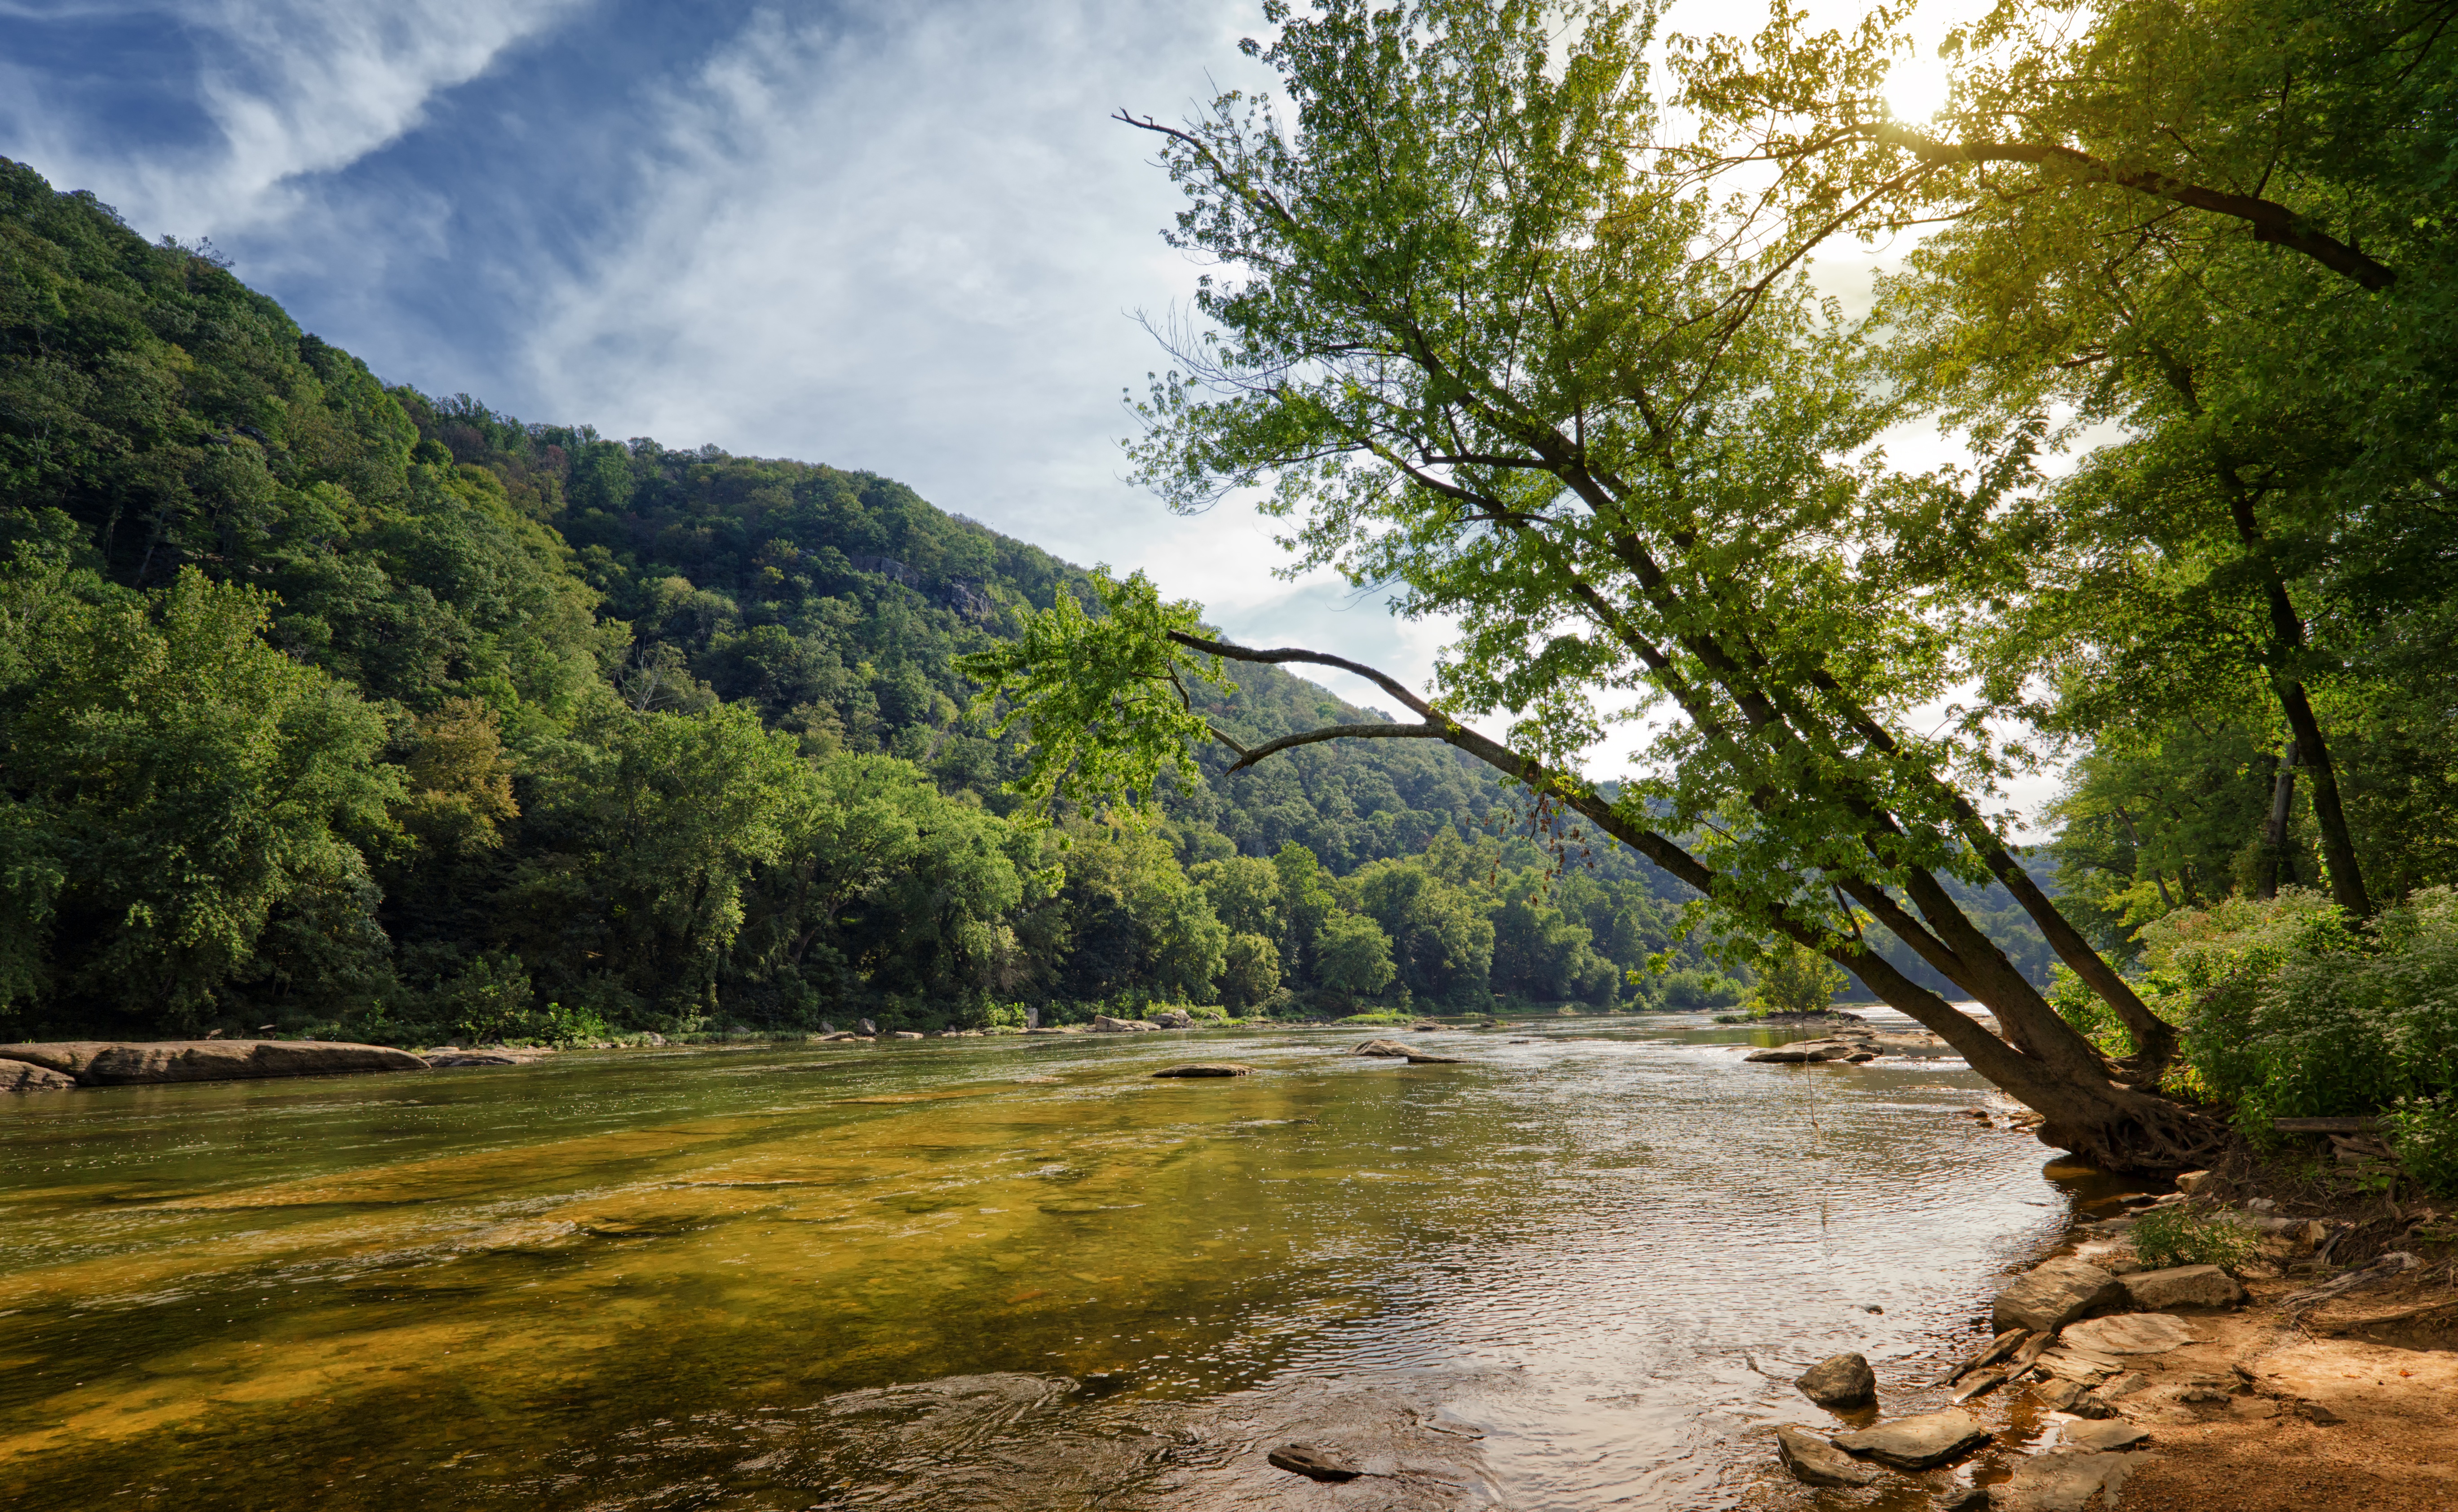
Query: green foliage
{"x": 1353, "y": 956}
{"x": 2183, "y": 1234}
{"x": 2423, "y": 1131}
{"x": 2290, "y": 1013}
{"x": 1792, "y": 979}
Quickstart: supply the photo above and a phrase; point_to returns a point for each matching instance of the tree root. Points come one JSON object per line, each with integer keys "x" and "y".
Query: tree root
{"x": 2139, "y": 1134}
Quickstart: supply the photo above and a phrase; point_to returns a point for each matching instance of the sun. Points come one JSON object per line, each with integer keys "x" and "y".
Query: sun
{"x": 1917, "y": 88}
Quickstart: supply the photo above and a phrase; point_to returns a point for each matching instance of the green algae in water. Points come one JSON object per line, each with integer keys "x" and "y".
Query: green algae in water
{"x": 907, "y": 1276}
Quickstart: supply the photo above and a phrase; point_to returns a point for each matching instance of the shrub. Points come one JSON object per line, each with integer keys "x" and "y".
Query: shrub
{"x": 2185, "y": 1235}
{"x": 2424, "y": 1131}
{"x": 1794, "y": 978}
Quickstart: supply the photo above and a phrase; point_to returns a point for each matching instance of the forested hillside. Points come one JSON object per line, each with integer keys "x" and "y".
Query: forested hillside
{"x": 339, "y": 709}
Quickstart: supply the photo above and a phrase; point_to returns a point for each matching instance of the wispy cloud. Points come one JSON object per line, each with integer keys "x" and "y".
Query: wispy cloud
{"x": 284, "y": 89}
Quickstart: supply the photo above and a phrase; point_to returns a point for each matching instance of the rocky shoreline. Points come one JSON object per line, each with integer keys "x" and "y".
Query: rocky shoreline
{"x": 2177, "y": 1389}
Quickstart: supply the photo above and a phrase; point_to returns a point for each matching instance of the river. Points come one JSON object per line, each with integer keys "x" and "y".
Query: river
{"x": 1576, "y": 1273}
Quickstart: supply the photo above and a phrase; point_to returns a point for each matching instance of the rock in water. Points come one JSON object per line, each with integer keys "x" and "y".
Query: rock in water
{"x": 1391, "y": 1047}
{"x": 1306, "y": 1460}
{"x": 905, "y": 1034}
{"x": 2063, "y": 1482}
{"x": 97, "y": 1063}
{"x": 1965, "y": 1499}
{"x": 1815, "y": 1461}
{"x": 25, "y": 1076}
{"x": 1806, "y": 1050}
{"x": 1415, "y": 1059}
{"x": 1174, "y": 1019}
{"x": 2131, "y": 1333}
{"x": 1103, "y": 1024}
{"x": 2182, "y": 1286}
{"x": 1981, "y": 1385}
{"x": 2103, "y": 1438}
{"x": 1208, "y": 1069}
{"x": 1916, "y": 1443}
{"x": 869, "y": 1031}
{"x": 1845, "y": 1380}
{"x": 2055, "y": 1293}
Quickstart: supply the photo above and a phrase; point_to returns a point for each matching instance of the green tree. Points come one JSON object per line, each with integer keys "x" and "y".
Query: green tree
{"x": 1250, "y": 972}
{"x": 1353, "y": 956}
{"x": 1469, "y": 345}
{"x": 1794, "y": 980}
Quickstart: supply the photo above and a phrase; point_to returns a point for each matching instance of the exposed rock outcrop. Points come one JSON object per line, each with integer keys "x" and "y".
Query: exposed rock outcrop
{"x": 25, "y": 1076}
{"x": 1916, "y": 1443}
{"x": 2182, "y": 1286}
{"x": 1813, "y": 1460}
{"x": 99, "y": 1062}
{"x": 1103, "y": 1024}
{"x": 2055, "y": 1293}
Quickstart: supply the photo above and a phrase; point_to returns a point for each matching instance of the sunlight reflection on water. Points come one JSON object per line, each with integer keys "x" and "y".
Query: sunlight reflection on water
{"x": 1014, "y": 1273}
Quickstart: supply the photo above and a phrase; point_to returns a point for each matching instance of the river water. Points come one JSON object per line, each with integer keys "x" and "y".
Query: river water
{"x": 1577, "y": 1271}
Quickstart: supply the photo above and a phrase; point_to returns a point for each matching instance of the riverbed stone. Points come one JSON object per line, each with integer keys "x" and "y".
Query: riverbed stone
{"x": 1813, "y": 1461}
{"x": 1173, "y": 1019}
{"x": 1917, "y": 1443}
{"x": 106, "y": 1063}
{"x": 2055, "y": 1293}
{"x": 1103, "y": 1024}
{"x": 1805, "y": 1051}
{"x": 25, "y": 1076}
{"x": 2182, "y": 1286}
{"x": 1315, "y": 1464}
{"x": 906, "y": 1034}
{"x": 1208, "y": 1069}
{"x": 1389, "y": 1047}
{"x": 2106, "y": 1437}
{"x": 2131, "y": 1333}
{"x": 2063, "y": 1481}
{"x": 1844, "y": 1380}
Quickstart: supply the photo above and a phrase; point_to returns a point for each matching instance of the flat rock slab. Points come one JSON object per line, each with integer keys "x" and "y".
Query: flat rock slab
{"x": 1415, "y": 1059}
{"x": 1316, "y": 1464}
{"x": 2131, "y": 1334}
{"x": 2063, "y": 1482}
{"x": 2182, "y": 1286}
{"x": 458, "y": 1058}
{"x": 1844, "y": 1380}
{"x": 2053, "y": 1293}
{"x": 1916, "y": 1443}
{"x": 1103, "y": 1024}
{"x": 25, "y": 1076}
{"x": 98, "y": 1063}
{"x": 1813, "y": 1461}
{"x": 1811, "y": 1051}
{"x": 2105, "y": 1436}
{"x": 1208, "y": 1069}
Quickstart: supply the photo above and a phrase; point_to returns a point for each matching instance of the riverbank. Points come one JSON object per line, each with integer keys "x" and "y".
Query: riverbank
{"x": 2322, "y": 1377}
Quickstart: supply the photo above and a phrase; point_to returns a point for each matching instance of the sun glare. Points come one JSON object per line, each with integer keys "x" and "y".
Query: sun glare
{"x": 1916, "y": 88}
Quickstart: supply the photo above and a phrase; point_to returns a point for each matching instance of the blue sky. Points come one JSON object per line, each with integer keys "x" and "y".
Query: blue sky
{"x": 896, "y": 237}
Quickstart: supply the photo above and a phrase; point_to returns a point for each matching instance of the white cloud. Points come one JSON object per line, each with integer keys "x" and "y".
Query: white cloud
{"x": 292, "y": 88}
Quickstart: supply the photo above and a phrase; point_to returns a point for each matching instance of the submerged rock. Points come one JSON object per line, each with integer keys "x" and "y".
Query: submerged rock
{"x": 1208, "y": 1069}
{"x": 1844, "y": 1380}
{"x": 1813, "y": 1460}
{"x": 1306, "y": 1460}
{"x": 97, "y": 1063}
{"x": 1917, "y": 1443}
{"x": 2055, "y": 1293}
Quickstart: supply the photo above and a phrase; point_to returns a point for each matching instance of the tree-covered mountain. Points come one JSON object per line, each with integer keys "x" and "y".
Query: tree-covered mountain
{"x": 328, "y": 704}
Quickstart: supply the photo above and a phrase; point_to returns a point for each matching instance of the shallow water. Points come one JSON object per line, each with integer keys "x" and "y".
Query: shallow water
{"x": 1576, "y": 1272}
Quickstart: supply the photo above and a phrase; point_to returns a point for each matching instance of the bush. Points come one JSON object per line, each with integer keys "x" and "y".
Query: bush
{"x": 2185, "y": 1235}
{"x": 2287, "y": 1012}
{"x": 1696, "y": 991}
{"x": 1795, "y": 978}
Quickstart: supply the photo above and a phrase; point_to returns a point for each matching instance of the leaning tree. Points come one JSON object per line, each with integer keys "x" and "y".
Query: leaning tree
{"x": 1475, "y": 342}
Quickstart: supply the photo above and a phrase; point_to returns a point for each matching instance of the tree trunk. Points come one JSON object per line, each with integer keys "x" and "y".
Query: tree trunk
{"x": 2277, "y": 867}
{"x": 2047, "y": 1066}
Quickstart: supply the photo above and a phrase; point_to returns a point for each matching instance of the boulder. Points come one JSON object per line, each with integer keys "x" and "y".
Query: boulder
{"x": 1103, "y": 1024}
{"x": 1315, "y": 1464}
{"x": 2130, "y": 1334}
{"x": 1208, "y": 1069}
{"x": 1808, "y": 1051}
{"x": 1815, "y": 1461}
{"x": 1917, "y": 1443}
{"x": 97, "y": 1063}
{"x": 25, "y": 1076}
{"x": 869, "y": 1029}
{"x": 905, "y": 1034}
{"x": 1174, "y": 1019}
{"x": 2062, "y": 1481}
{"x": 1844, "y": 1380}
{"x": 2106, "y": 1437}
{"x": 2053, "y": 1293}
{"x": 1391, "y": 1047}
{"x": 2191, "y": 1180}
{"x": 2058, "y": 1396}
{"x": 2182, "y": 1286}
